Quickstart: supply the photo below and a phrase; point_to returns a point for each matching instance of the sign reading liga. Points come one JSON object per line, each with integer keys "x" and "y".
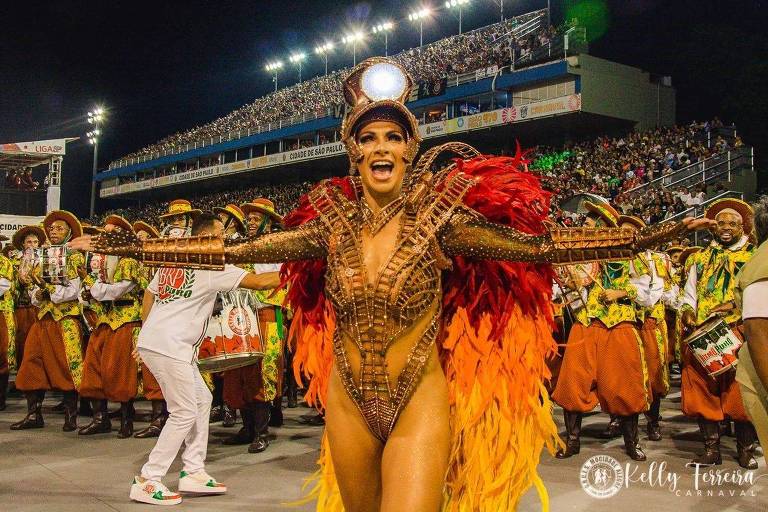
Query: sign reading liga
{"x": 9, "y": 224}
{"x": 44, "y": 147}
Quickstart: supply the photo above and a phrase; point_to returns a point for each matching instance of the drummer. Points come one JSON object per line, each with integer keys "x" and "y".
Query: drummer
{"x": 149, "y": 384}
{"x": 110, "y": 372}
{"x": 26, "y": 240}
{"x": 53, "y": 352}
{"x": 7, "y": 324}
{"x": 710, "y": 284}
{"x": 178, "y": 221}
{"x": 177, "y": 305}
{"x": 252, "y": 389}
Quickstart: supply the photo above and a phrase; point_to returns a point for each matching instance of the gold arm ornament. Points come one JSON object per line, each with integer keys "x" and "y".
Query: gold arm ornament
{"x": 200, "y": 252}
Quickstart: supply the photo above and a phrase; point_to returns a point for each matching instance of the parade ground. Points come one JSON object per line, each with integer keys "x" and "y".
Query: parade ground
{"x": 53, "y": 471}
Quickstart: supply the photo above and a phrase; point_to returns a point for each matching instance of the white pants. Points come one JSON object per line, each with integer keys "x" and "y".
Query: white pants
{"x": 189, "y": 405}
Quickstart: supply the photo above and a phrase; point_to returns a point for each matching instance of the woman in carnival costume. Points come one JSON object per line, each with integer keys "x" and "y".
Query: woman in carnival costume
{"x": 422, "y": 308}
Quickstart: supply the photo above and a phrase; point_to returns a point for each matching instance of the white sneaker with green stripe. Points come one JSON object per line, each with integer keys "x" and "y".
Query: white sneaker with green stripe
{"x": 153, "y": 492}
{"x": 200, "y": 483}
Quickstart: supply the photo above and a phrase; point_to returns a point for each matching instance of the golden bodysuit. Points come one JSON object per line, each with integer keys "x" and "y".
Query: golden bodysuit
{"x": 387, "y": 320}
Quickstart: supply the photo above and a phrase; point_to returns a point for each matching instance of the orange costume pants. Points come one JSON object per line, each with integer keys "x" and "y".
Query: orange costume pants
{"x": 710, "y": 398}
{"x": 110, "y": 371}
{"x": 246, "y": 385}
{"x": 604, "y": 366}
{"x": 655, "y": 359}
{"x": 25, "y": 317}
{"x": 45, "y": 363}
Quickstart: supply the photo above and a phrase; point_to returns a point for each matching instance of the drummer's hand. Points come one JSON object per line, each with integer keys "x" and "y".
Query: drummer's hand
{"x": 82, "y": 273}
{"x": 692, "y": 224}
{"x": 41, "y": 295}
{"x": 723, "y": 309}
{"x": 81, "y": 243}
{"x": 86, "y": 295}
{"x": 688, "y": 319}
{"x": 611, "y": 295}
{"x": 24, "y": 278}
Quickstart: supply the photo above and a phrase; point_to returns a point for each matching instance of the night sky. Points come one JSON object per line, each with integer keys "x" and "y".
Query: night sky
{"x": 163, "y": 66}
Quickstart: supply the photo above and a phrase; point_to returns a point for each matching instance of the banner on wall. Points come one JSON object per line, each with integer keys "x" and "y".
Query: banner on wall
{"x": 9, "y": 224}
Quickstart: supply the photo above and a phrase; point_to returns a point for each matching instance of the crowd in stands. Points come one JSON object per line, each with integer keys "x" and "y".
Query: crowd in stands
{"x": 22, "y": 180}
{"x": 493, "y": 45}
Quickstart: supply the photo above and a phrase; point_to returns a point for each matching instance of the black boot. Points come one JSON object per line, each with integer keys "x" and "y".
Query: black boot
{"x": 229, "y": 417}
{"x": 629, "y": 430}
{"x": 613, "y": 430}
{"x": 653, "y": 417}
{"x": 745, "y": 444}
{"x": 217, "y": 414}
{"x": 70, "y": 411}
{"x": 3, "y": 389}
{"x": 33, "y": 419}
{"x": 59, "y": 408}
{"x": 85, "y": 407}
{"x": 100, "y": 423}
{"x": 276, "y": 412}
{"x": 126, "y": 420}
{"x": 246, "y": 434}
{"x": 159, "y": 415}
{"x": 573, "y": 433}
{"x": 261, "y": 416}
{"x": 711, "y": 432}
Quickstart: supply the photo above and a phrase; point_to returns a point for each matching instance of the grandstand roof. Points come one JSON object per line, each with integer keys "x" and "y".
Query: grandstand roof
{"x": 20, "y": 155}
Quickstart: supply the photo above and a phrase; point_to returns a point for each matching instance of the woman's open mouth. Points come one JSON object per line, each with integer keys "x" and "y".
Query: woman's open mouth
{"x": 381, "y": 170}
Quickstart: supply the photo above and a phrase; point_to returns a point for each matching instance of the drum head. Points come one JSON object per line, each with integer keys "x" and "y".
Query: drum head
{"x": 224, "y": 362}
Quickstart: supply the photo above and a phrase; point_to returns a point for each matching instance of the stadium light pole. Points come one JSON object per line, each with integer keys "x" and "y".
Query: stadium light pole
{"x": 353, "y": 40}
{"x": 323, "y": 50}
{"x": 419, "y": 16}
{"x": 95, "y": 118}
{"x": 297, "y": 58}
{"x": 384, "y": 28}
{"x": 453, "y": 4}
{"x": 274, "y": 67}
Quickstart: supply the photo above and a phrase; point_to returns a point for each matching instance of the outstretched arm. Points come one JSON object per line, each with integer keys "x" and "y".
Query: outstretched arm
{"x": 210, "y": 252}
{"x": 474, "y": 237}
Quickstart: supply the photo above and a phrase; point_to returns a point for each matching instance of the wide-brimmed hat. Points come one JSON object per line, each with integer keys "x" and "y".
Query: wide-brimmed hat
{"x": 4, "y": 238}
{"x": 180, "y": 207}
{"x": 91, "y": 230}
{"x": 18, "y": 237}
{"x": 742, "y": 207}
{"x": 68, "y": 217}
{"x": 262, "y": 205}
{"x": 6, "y": 251}
{"x": 686, "y": 253}
{"x": 632, "y": 220}
{"x": 604, "y": 211}
{"x": 675, "y": 249}
{"x": 117, "y": 220}
{"x": 235, "y": 213}
{"x": 140, "y": 225}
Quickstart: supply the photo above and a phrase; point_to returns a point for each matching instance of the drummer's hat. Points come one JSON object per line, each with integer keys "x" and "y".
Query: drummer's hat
{"x": 140, "y": 225}
{"x": 4, "y": 238}
{"x": 604, "y": 212}
{"x": 262, "y": 205}
{"x": 120, "y": 222}
{"x": 234, "y": 214}
{"x": 21, "y": 234}
{"x": 742, "y": 207}
{"x": 69, "y": 218}
{"x": 91, "y": 230}
{"x": 686, "y": 253}
{"x": 7, "y": 250}
{"x": 633, "y": 221}
{"x": 180, "y": 207}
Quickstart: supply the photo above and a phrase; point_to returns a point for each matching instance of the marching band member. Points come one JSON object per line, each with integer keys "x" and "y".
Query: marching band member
{"x": 110, "y": 372}
{"x": 26, "y": 240}
{"x": 251, "y": 389}
{"x": 151, "y": 387}
{"x": 178, "y": 220}
{"x": 709, "y": 289}
{"x": 604, "y": 361}
{"x": 183, "y": 298}
{"x": 7, "y": 324}
{"x": 53, "y": 356}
